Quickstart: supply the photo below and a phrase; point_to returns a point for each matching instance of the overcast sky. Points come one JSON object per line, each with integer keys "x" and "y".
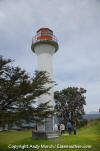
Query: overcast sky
{"x": 76, "y": 23}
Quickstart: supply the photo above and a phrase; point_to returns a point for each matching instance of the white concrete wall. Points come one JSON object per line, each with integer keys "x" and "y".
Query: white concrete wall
{"x": 44, "y": 53}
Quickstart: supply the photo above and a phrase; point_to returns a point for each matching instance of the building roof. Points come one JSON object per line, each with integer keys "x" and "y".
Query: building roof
{"x": 47, "y": 29}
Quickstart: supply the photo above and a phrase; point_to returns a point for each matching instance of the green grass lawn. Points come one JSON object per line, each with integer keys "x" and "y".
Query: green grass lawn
{"x": 87, "y": 137}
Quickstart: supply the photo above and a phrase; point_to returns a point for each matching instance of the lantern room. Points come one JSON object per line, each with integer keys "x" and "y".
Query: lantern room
{"x": 44, "y": 33}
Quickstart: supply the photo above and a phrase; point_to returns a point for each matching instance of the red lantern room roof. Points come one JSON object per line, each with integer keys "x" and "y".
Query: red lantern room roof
{"x": 45, "y": 29}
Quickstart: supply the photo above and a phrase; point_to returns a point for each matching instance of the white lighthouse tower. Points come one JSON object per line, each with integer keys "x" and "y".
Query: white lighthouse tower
{"x": 44, "y": 45}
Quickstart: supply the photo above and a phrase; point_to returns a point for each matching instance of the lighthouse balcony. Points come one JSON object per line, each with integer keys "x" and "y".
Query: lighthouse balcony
{"x": 37, "y": 38}
{"x": 44, "y": 40}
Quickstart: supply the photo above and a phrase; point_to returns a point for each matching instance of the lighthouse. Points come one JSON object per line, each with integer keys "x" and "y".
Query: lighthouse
{"x": 44, "y": 45}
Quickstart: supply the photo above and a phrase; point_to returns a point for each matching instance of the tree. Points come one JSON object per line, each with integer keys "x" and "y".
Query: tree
{"x": 18, "y": 93}
{"x": 70, "y": 104}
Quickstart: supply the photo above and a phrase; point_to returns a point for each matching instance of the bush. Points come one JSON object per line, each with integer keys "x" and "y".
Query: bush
{"x": 82, "y": 123}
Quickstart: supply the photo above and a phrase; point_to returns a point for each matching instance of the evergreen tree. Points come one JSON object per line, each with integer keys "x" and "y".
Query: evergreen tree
{"x": 18, "y": 93}
{"x": 70, "y": 104}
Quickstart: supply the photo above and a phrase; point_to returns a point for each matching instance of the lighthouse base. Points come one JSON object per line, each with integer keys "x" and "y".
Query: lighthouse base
{"x": 44, "y": 135}
{"x": 46, "y": 130}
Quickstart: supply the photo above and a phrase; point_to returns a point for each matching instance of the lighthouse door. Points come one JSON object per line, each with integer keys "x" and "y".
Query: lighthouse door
{"x": 49, "y": 125}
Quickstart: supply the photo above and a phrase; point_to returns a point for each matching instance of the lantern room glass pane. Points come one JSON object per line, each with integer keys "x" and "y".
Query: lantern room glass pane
{"x": 50, "y": 34}
{"x": 44, "y": 32}
{"x": 39, "y": 34}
